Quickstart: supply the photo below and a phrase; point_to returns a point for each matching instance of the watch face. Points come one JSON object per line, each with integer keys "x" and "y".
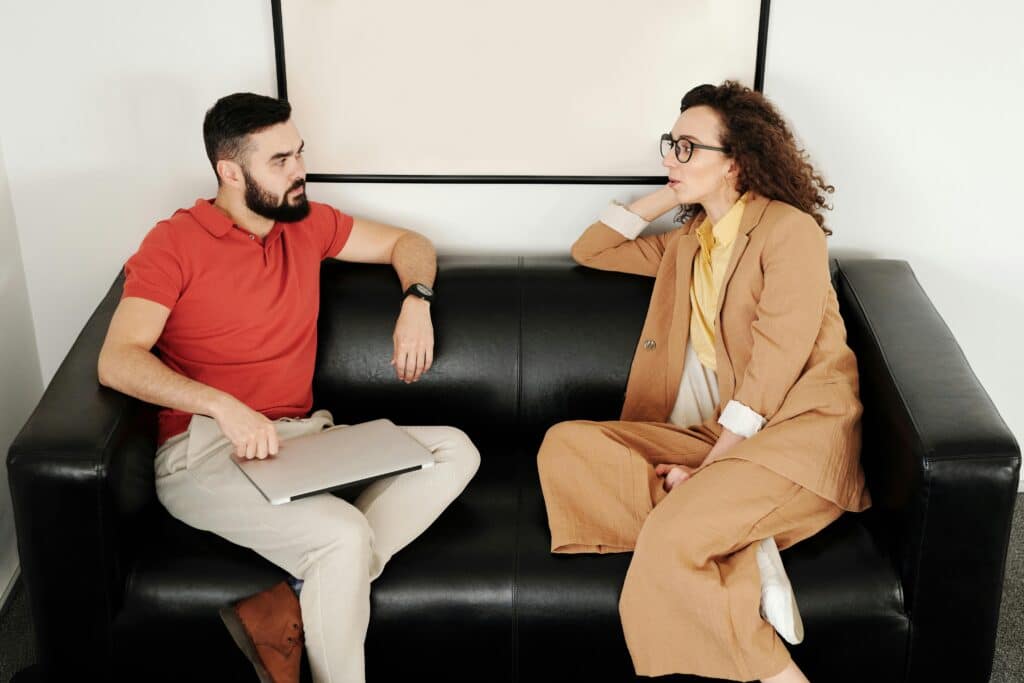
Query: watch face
{"x": 424, "y": 290}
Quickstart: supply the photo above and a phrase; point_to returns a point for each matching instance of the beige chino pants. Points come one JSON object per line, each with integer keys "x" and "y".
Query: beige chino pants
{"x": 337, "y": 548}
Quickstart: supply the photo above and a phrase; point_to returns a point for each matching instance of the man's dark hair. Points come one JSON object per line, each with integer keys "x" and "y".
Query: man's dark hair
{"x": 233, "y": 118}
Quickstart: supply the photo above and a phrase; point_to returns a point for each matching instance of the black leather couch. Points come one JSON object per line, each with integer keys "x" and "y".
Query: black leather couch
{"x": 908, "y": 591}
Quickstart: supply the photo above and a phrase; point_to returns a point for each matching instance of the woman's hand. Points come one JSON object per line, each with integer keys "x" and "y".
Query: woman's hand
{"x": 677, "y": 474}
{"x": 656, "y": 204}
{"x": 674, "y": 475}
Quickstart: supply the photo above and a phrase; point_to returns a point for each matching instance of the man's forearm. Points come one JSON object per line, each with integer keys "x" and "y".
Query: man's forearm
{"x": 414, "y": 260}
{"x": 139, "y": 373}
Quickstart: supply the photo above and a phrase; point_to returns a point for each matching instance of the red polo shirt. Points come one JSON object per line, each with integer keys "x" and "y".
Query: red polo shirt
{"x": 243, "y": 309}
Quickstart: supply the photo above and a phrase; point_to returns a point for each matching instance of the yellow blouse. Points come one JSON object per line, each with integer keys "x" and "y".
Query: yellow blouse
{"x": 708, "y": 272}
{"x": 698, "y": 388}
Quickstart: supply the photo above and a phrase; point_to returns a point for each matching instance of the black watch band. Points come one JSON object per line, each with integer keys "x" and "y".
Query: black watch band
{"x": 420, "y": 290}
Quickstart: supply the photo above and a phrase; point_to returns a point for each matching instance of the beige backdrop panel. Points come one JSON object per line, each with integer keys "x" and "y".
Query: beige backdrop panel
{"x": 484, "y": 87}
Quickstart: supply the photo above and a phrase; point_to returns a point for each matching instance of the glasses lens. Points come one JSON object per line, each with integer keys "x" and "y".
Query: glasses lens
{"x": 683, "y": 150}
{"x": 666, "y": 145}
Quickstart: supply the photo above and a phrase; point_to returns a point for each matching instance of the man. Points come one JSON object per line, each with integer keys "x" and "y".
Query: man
{"x": 228, "y": 292}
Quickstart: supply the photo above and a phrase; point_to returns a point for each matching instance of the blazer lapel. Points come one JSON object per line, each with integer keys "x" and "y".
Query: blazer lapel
{"x": 680, "y": 328}
{"x": 752, "y": 214}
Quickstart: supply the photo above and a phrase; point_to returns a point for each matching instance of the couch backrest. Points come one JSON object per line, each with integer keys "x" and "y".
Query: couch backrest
{"x": 521, "y": 343}
{"x": 473, "y": 383}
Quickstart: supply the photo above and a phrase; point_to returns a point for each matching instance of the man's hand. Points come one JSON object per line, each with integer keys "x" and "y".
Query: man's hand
{"x": 414, "y": 260}
{"x": 414, "y": 340}
{"x": 251, "y": 433}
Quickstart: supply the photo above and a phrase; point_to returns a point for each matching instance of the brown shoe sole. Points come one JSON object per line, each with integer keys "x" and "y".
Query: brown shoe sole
{"x": 244, "y": 643}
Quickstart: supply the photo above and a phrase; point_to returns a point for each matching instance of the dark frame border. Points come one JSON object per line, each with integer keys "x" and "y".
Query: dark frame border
{"x": 282, "y": 93}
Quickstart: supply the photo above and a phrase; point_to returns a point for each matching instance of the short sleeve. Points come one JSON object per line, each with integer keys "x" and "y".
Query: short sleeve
{"x": 335, "y": 235}
{"x": 154, "y": 272}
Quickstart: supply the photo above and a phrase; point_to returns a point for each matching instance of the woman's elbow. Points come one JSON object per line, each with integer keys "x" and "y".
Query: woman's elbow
{"x": 579, "y": 254}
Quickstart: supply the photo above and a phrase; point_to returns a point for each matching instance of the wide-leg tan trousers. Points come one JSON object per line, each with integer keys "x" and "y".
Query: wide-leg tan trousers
{"x": 692, "y": 592}
{"x": 336, "y": 547}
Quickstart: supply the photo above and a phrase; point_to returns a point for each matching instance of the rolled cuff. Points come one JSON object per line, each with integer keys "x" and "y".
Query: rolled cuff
{"x": 620, "y": 219}
{"x": 739, "y": 419}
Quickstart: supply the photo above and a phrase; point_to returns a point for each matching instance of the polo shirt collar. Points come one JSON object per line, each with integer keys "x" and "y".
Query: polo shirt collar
{"x": 219, "y": 224}
{"x": 216, "y": 222}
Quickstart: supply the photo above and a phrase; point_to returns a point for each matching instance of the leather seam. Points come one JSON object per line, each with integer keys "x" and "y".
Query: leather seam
{"x": 521, "y": 483}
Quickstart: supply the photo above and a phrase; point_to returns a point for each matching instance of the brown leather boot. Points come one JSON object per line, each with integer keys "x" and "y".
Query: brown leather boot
{"x": 268, "y": 629}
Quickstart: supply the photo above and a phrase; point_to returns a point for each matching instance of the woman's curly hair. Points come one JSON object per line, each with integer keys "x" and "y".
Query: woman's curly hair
{"x": 770, "y": 162}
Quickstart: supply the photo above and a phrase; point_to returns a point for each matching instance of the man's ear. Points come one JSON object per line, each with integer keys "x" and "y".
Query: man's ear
{"x": 230, "y": 173}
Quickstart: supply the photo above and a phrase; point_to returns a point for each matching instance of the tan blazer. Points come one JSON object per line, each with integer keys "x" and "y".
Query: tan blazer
{"x": 780, "y": 344}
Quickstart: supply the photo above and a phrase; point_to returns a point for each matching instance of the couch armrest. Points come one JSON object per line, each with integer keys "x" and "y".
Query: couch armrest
{"x": 80, "y": 472}
{"x": 941, "y": 464}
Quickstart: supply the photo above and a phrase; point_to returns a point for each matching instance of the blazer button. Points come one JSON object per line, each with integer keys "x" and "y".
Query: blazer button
{"x": 650, "y": 344}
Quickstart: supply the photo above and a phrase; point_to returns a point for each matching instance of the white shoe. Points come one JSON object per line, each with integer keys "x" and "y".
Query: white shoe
{"x": 778, "y": 603}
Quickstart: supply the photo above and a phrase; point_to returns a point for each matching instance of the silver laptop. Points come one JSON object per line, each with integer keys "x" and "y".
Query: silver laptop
{"x": 334, "y": 459}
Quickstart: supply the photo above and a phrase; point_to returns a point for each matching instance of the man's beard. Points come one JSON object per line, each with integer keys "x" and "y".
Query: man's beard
{"x": 264, "y": 204}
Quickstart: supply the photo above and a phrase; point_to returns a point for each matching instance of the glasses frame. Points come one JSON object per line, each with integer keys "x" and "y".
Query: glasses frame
{"x": 667, "y": 137}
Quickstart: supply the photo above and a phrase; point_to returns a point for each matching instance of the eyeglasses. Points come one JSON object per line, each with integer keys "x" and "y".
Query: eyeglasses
{"x": 683, "y": 147}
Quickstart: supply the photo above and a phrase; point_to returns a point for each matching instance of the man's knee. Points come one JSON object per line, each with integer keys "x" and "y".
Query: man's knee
{"x": 462, "y": 452}
{"x": 342, "y": 547}
{"x": 343, "y": 529}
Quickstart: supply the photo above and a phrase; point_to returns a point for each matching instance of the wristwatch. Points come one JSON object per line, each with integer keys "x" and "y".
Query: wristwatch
{"x": 420, "y": 290}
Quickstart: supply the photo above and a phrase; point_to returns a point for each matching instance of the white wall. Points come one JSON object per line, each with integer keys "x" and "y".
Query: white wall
{"x": 913, "y": 110}
{"x": 102, "y": 122}
{"x": 21, "y": 383}
{"x": 101, "y": 126}
{"x": 537, "y": 96}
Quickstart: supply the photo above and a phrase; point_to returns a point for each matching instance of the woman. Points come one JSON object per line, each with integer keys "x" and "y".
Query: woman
{"x": 741, "y": 421}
